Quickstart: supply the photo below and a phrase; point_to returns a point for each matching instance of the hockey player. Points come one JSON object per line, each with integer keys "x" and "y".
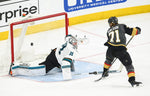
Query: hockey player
{"x": 61, "y": 57}
{"x": 117, "y": 48}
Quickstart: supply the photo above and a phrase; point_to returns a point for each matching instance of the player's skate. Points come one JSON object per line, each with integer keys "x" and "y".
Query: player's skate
{"x": 133, "y": 82}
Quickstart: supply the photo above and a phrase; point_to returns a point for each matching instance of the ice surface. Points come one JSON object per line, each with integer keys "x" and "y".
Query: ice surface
{"x": 114, "y": 85}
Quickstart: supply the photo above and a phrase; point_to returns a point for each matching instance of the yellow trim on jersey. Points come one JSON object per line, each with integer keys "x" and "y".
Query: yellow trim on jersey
{"x": 134, "y": 32}
{"x": 116, "y": 44}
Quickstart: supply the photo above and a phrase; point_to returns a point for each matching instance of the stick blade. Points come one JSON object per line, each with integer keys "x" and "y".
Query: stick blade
{"x": 98, "y": 79}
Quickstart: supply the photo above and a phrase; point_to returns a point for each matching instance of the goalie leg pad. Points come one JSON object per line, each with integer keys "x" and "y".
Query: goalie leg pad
{"x": 66, "y": 69}
{"x": 28, "y": 71}
{"x": 71, "y": 63}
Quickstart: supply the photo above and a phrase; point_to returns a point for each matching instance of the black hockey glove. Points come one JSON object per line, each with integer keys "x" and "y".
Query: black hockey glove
{"x": 139, "y": 30}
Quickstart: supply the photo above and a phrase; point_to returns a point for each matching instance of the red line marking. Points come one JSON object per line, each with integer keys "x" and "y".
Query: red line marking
{"x": 146, "y": 43}
{"x": 91, "y": 56}
{"x": 88, "y": 32}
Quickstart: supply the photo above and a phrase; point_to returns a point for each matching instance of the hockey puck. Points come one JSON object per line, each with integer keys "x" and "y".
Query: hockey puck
{"x": 31, "y": 43}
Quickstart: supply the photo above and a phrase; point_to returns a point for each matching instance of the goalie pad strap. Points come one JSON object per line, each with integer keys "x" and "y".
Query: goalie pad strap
{"x": 68, "y": 60}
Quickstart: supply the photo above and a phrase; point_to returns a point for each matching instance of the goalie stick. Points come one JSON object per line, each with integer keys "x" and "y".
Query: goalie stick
{"x": 113, "y": 62}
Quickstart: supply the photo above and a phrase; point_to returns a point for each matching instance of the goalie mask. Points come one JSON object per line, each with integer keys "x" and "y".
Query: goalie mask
{"x": 72, "y": 40}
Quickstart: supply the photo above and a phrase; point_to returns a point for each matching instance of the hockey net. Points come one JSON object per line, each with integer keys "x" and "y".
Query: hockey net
{"x": 33, "y": 38}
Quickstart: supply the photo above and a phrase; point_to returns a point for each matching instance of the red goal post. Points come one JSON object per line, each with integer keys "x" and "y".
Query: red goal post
{"x": 32, "y": 20}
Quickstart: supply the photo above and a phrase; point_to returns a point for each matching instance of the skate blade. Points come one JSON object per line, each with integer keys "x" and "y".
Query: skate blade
{"x": 138, "y": 85}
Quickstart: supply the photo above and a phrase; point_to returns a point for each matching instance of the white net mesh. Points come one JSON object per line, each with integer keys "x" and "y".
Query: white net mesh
{"x": 35, "y": 41}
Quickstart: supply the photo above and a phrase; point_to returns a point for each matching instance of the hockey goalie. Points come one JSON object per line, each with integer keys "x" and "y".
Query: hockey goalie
{"x": 60, "y": 58}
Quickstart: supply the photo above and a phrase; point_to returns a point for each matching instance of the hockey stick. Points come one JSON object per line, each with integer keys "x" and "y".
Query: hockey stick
{"x": 113, "y": 62}
{"x": 110, "y": 71}
{"x": 96, "y": 72}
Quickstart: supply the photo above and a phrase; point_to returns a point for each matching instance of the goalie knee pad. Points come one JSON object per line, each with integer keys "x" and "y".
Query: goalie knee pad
{"x": 71, "y": 63}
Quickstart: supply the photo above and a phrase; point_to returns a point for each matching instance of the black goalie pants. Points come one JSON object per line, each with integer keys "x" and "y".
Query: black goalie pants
{"x": 51, "y": 61}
